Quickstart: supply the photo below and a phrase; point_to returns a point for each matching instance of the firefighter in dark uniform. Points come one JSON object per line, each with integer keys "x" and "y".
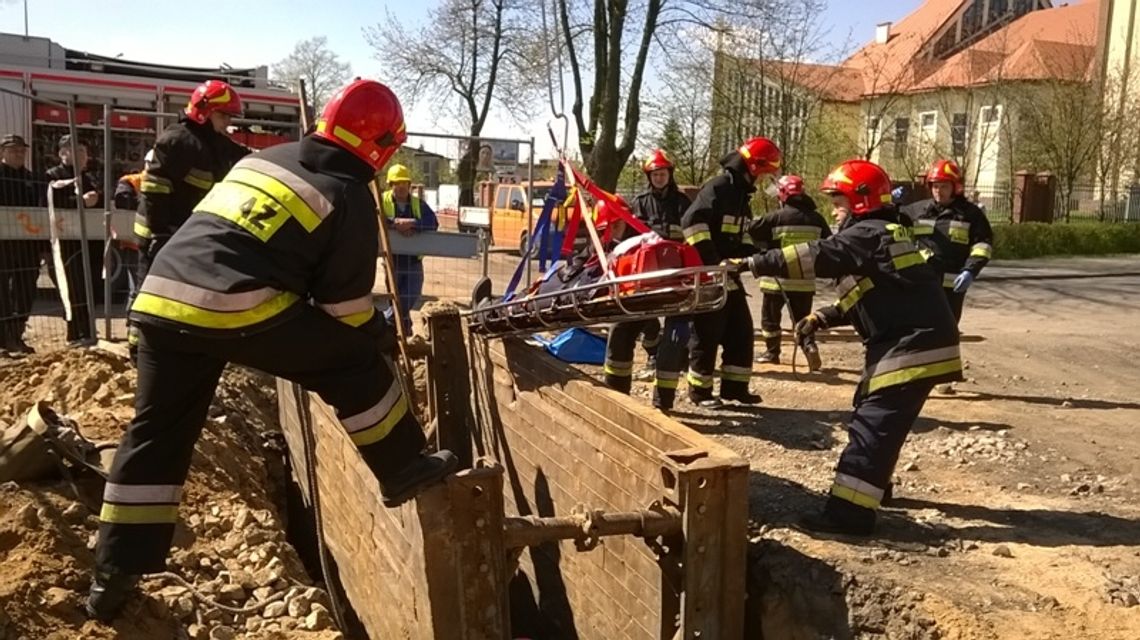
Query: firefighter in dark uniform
{"x": 953, "y": 232}
{"x": 19, "y": 259}
{"x": 716, "y": 225}
{"x": 892, "y": 297}
{"x": 67, "y": 197}
{"x": 273, "y": 271}
{"x": 796, "y": 222}
{"x": 660, "y": 207}
{"x": 185, "y": 162}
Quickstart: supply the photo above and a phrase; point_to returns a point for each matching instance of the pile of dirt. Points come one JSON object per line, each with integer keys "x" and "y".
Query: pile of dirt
{"x": 229, "y": 543}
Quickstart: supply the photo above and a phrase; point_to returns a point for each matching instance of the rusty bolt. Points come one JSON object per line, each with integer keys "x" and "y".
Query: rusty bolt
{"x": 484, "y": 568}
{"x": 701, "y": 549}
{"x": 480, "y": 522}
{"x": 702, "y": 509}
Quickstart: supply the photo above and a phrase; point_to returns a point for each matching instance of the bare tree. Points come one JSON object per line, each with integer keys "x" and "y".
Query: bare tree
{"x": 1120, "y": 120}
{"x": 683, "y": 107}
{"x": 1059, "y": 122}
{"x": 469, "y": 55}
{"x": 613, "y": 39}
{"x": 321, "y": 69}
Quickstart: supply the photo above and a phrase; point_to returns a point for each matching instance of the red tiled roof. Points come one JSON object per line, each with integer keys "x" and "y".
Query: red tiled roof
{"x": 1049, "y": 43}
{"x": 832, "y": 82}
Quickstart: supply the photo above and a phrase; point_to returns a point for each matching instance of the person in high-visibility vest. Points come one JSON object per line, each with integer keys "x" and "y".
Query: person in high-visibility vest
{"x": 407, "y": 215}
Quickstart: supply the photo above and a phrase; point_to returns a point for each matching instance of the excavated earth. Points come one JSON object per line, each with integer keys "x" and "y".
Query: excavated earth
{"x": 230, "y": 542}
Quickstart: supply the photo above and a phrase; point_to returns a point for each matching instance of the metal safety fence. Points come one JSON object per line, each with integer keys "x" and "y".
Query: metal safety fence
{"x": 67, "y": 249}
{"x": 491, "y": 188}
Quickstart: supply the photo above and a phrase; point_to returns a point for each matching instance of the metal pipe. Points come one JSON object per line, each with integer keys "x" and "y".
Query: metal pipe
{"x": 84, "y": 250}
{"x": 108, "y": 203}
{"x": 530, "y": 531}
{"x": 535, "y": 242}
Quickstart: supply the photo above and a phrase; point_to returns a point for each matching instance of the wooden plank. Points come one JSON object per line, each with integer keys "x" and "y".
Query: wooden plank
{"x": 449, "y": 388}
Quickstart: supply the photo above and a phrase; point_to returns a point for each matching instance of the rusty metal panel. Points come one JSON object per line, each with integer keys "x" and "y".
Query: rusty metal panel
{"x": 567, "y": 442}
{"x": 427, "y": 569}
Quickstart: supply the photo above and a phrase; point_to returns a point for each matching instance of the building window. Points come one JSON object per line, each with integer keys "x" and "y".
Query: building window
{"x": 958, "y": 130}
{"x": 991, "y": 114}
{"x": 902, "y": 133}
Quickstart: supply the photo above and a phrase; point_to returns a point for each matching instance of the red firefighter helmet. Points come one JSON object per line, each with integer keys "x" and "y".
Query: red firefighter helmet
{"x": 866, "y": 185}
{"x": 658, "y": 160}
{"x": 365, "y": 118}
{"x": 788, "y": 186}
{"x": 211, "y": 96}
{"x": 761, "y": 156}
{"x": 946, "y": 171}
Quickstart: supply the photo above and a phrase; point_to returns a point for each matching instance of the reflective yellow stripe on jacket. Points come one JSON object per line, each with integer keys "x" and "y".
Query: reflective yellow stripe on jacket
{"x": 388, "y": 204}
{"x": 353, "y": 312}
{"x": 201, "y": 307}
{"x": 260, "y": 197}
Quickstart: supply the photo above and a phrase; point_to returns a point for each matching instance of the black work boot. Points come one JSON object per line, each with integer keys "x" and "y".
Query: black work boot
{"x": 416, "y": 476}
{"x": 769, "y": 357}
{"x": 738, "y": 391}
{"x": 663, "y": 398}
{"x": 109, "y": 592}
{"x": 888, "y": 496}
{"x": 704, "y": 399}
{"x": 811, "y": 352}
{"x": 621, "y": 384}
{"x": 840, "y": 517}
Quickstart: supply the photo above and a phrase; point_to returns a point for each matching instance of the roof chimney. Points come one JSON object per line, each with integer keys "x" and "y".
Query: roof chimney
{"x": 883, "y": 32}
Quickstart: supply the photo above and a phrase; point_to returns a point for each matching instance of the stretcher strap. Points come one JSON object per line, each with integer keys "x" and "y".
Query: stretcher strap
{"x": 555, "y": 197}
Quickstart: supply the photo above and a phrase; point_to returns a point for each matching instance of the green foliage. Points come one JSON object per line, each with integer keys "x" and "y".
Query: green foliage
{"x": 1032, "y": 240}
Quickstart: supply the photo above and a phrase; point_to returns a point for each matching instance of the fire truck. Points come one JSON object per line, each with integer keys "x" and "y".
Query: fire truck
{"x": 144, "y": 98}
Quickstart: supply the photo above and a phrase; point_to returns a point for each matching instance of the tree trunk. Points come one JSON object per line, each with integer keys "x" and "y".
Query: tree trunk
{"x": 466, "y": 174}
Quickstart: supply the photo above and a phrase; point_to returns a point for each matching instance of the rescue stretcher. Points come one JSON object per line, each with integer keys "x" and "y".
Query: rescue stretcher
{"x": 641, "y": 296}
{"x": 642, "y": 277}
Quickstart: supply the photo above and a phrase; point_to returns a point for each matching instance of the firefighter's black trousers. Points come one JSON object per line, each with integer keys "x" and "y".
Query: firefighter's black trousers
{"x": 799, "y": 306}
{"x": 19, "y": 269}
{"x": 177, "y": 377}
{"x": 731, "y": 329}
{"x": 669, "y": 348}
{"x": 957, "y": 301}
{"x": 876, "y": 433}
{"x": 148, "y": 249}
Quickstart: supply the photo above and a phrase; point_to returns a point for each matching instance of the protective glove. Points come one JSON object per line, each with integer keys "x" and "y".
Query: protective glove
{"x": 897, "y": 194}
{"x": 736, "y": 265}
{"x": 808, "y": 325}
{"x": 963, "y": 282}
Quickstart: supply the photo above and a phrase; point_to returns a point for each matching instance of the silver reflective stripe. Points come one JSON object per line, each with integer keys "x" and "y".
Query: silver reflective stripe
{"x": 142, "y": 493}
{"x": 846, "y": 286}
{"x": 668, "y": 375}
{"x": 348, "y": 307}
{"x": 925, "y": 222}
{"x": 948, "y": 280}
{"x": 862, "y": 486}
{"x": 695, "y": 229}
{"x": 314, "y": 198}
{"x": 796, "y": 229}
{"x": 913, "y": 360}
{"x": 807, "y": 262}
{"x": 375, "y": 414}
{"x": 206, "y": 298}
{"x": 746, "y": 371}
{"x": 955, "y": 224}
{"x": 619, "y": 364}
{"x": 899, "y": 248}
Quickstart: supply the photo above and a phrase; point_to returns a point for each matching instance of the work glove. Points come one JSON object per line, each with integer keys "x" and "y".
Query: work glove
{"x": 963, "y": 282}
{"x": 735, "y": 265}
{"x": 808, "y": 325}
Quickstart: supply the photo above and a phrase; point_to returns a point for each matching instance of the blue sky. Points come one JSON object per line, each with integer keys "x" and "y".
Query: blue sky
{"x": 208, "y": 34}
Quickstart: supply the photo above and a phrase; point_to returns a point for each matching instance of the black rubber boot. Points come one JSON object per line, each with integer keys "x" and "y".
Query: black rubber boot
{"x": 108, "y": 593}
{"x": 704, "y": 398}
{"x": 811, "y": 352}
{"x": 663, "y": 398}
{"x": 769, "y": 357}
{"x": 420, "y": 474}
{"x": 840, "y": 517}
{"x": 888, "y": 496}
{"x": 621, "y": 384}
{"x": 738, "y": 392}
